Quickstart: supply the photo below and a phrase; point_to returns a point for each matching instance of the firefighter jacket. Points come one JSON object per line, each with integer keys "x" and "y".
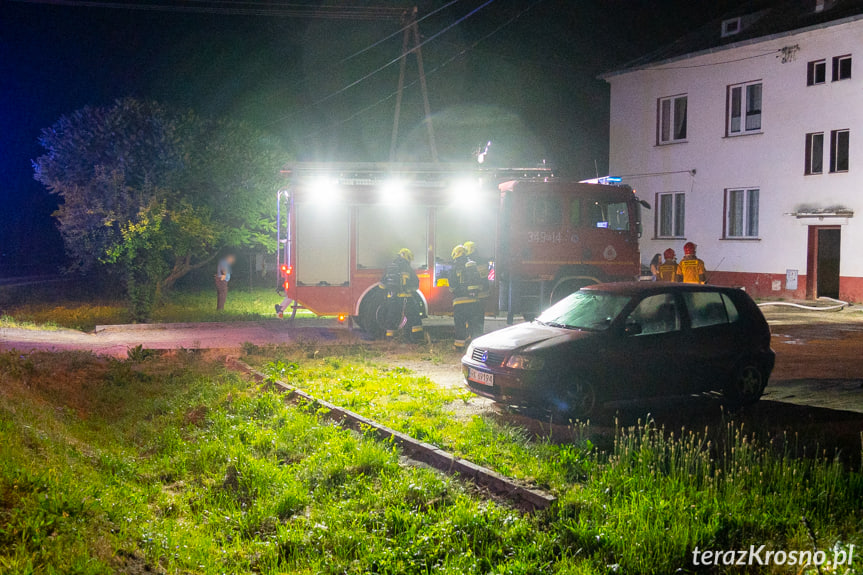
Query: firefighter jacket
{"x": 668, "y": 271}
{"x": 400, "y": 279}
{"x": 482, "y": 265}
{"x": 691, "y": 270}
{"x": 465, "y": 283}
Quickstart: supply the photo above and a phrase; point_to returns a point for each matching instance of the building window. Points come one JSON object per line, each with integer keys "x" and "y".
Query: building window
{"x": 672, "y": 119}
{"x": 741, "y": 218}
{"x": 730, "y": 27}
{"x": 672, "y": 215}
{"x": 840, "y": 141}
{"x": 744, "y": 108}
{"x": 842, "y": 68}
{"x": 816, "y": 72}
{"x": 814, "y": 153}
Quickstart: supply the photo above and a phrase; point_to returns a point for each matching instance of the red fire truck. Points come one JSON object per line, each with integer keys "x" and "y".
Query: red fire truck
{"x": 339, "y": 225}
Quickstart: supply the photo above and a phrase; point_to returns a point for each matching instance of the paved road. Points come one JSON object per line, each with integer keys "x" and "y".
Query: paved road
{"x": 819, "y": 354}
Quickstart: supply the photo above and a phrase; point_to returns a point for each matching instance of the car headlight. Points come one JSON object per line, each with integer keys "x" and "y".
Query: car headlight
{"x": 525, "y": 362}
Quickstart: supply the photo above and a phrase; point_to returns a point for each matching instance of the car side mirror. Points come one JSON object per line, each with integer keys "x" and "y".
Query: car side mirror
{"x": 632, "y": 328}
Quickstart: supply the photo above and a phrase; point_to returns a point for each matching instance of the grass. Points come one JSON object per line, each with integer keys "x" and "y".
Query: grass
{"x": 179, "y": 306}
{"x": 173, "y": 465}
{"x": 666, "y": 491}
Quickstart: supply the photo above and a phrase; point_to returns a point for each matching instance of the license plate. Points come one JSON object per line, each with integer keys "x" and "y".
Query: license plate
{"x": 480, "y": 377}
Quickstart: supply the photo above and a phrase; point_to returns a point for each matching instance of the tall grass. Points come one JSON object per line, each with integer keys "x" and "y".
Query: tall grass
{"x": 173, "y": 465}
{"x": 180, "y": 306}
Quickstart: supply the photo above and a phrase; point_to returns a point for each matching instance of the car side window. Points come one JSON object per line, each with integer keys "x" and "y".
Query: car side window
{"x": 730, "y": 309}
{"x": 654, "y": 315}
{"x": 706, "y": 308}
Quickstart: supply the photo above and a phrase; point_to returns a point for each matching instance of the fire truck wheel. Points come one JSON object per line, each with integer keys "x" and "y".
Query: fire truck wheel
{"x": 570, "y": 285}
{"x": 371, "y": 315}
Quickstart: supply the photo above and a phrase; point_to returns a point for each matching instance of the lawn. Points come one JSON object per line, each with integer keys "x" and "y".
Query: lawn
{"x": 40, "y": 309}
{"x": 172, "y": 464}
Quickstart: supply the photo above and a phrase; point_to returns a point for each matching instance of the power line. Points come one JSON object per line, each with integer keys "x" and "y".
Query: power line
{"x": 429, "y": 73}
{"x": 240, "y": 8}
{"x": 397, "y": 32}
{"x": 383, "y": 67}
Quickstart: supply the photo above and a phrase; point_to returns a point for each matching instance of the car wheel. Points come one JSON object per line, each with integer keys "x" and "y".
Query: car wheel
{"x": 747, "y": 384}
{"x": 577, "y": 401}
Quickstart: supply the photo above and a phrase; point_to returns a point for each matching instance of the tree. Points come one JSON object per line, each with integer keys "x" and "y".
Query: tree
{"x": 156, "y": 193}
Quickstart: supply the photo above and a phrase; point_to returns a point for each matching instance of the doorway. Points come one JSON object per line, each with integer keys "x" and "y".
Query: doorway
{"x": 822, "y": 278}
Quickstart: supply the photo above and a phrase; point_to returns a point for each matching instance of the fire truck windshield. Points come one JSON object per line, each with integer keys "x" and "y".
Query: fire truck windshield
{"x": 608, "y": 214}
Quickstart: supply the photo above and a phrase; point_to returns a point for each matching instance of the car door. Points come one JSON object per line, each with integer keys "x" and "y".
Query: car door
{"x": 650, "y": 341}
{"x": 711, "y": 349}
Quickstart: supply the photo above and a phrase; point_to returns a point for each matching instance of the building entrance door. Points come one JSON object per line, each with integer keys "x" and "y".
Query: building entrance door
{"x": 822, "y": 276}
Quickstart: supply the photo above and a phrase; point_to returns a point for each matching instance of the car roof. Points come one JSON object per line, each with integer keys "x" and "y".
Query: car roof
{"x": 635, "y": 288}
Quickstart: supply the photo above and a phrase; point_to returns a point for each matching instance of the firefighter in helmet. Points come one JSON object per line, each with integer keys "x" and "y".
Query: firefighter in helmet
{"x": 691, "y": 270}
{"x": 482, "y": 265}
{"x": 401, "y": 283}
{"x": 668, "y": 268}
{"x": 465, "y": 286}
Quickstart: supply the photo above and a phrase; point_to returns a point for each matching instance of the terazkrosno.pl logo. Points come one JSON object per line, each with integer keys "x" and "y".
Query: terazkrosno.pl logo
{"x": 836, "y": 557}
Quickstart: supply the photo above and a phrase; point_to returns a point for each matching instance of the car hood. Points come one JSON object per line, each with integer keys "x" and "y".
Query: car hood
{"x": 529, "y": 337}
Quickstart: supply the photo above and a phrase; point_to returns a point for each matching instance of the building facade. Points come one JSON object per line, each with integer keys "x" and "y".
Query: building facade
{"x": 747, "y": 138}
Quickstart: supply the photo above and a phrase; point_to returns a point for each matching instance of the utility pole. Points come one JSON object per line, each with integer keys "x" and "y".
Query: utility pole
{"x": 411, "y": 31}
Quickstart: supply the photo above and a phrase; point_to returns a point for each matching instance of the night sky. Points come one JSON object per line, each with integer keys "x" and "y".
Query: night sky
{"x": 529, "y": 86}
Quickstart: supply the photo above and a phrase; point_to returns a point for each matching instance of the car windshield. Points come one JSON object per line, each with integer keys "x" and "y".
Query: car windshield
{"x": 585, "y": 310}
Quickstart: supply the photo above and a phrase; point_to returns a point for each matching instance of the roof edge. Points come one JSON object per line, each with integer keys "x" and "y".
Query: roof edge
{"x": 652, "y": 65}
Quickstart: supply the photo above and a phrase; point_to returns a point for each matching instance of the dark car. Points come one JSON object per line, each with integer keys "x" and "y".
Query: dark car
{"x": 626, "y": 341}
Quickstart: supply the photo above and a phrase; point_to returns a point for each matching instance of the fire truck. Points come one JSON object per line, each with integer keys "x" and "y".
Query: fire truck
{"x": 339, "y": 225}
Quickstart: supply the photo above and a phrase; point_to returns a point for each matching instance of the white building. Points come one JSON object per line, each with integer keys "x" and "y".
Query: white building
{"x": 747, "y": 138}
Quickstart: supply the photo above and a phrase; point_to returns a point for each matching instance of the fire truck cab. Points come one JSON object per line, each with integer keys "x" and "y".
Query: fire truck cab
{"x": 339, "y": 225}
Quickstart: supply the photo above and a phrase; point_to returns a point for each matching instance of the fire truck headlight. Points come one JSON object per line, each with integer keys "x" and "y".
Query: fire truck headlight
{"x": 466, "y": 192}
{"x": 525, "y": 362}
{"x": 393, "y": 192}
{"x": 324, "y": 191}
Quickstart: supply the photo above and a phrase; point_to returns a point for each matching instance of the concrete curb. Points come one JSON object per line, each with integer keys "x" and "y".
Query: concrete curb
{"x": 532, "y": 499}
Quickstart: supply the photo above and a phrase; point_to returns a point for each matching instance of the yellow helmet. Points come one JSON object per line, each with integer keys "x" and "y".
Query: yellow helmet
{"x": 470, "y": 247}
{"x": 406, "y": 254}
{"x": 458, "y": 252}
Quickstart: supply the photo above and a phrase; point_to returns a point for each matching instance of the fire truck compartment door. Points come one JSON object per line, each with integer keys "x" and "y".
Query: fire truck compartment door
{"x": 383, "y": 230}
{"x": 323, "y": 244}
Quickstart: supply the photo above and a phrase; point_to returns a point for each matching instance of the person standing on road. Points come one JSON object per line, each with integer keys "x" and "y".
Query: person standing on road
{"x": 691, "y": 270}
{"x": 482, "y": 265}
{"x": 401, "y": 283}
{"x": 668, "y": 268}
{"x": 654, "y": 266}
{"x": 222, "y": 277}
{"x": 465, "y": 287}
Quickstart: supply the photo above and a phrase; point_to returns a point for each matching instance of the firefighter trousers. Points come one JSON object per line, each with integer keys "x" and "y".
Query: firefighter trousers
{"x": 478, "y": 326}
{"x": 464, "y": 315}
{"x": 404, "y": 310}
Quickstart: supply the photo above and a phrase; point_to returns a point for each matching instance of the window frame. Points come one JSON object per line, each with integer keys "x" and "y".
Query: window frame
{"x": 834, "y": 149}
{"x": 809, "y": 156}
{"x": 745, "y": 214}
{"x": 678, "y": 219}
{"x": 837, "y": 67}
{"x": 673, "y": 110}
{"x": 811, "y": 76}
{"x": 726, "y": 28}
{"x": 744, "y": 114}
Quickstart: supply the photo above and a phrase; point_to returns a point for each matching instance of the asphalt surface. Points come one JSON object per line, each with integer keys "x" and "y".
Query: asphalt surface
{"x": 819, "y": 354}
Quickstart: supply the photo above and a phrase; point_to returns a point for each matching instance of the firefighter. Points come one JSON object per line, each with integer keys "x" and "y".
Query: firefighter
{"x": 465, "y": 286}
{"x": 482, "y": 265}
{"x": 401, "y": 283}
{"x": 691, "y": 270}
{"x": 668, "y": 268}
